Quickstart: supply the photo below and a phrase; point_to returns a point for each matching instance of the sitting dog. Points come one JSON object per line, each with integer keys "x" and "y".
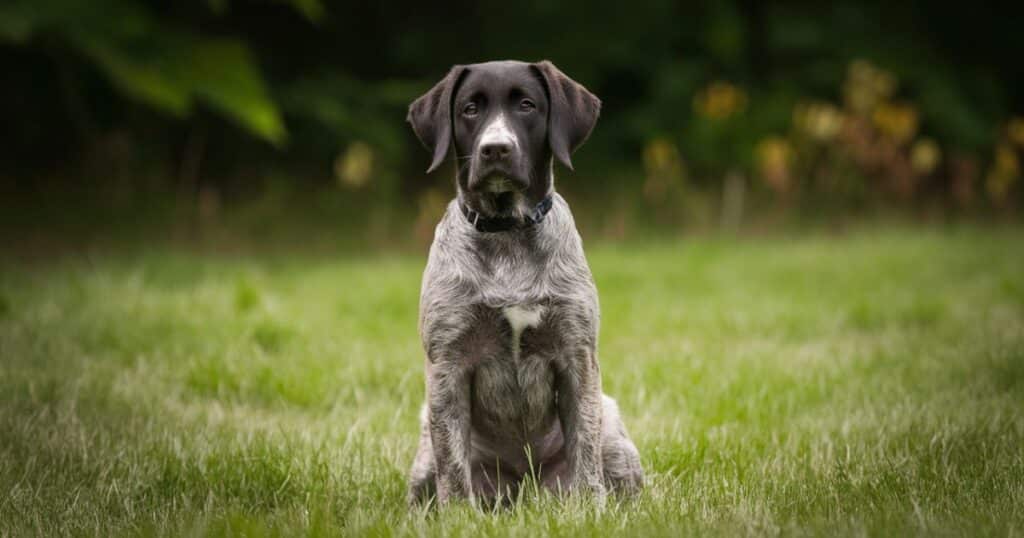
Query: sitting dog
{"x": 508, "y": 309}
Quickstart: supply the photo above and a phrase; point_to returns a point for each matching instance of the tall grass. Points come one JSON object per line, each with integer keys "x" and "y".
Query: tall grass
{"x": 871, "y": 384}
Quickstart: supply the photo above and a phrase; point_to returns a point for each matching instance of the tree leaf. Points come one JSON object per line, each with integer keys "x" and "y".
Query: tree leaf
{"x": 150, "y": 82}
{"x": 223, "y": 73}
{"x": 161, "y": 66}
{"x": 313, "y": 10}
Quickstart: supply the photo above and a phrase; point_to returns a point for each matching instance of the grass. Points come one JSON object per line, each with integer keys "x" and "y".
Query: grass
{"x": 870, "y": 384}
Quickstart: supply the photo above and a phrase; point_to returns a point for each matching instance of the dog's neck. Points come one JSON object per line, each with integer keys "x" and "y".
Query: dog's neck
{"x": 507, "y": 224}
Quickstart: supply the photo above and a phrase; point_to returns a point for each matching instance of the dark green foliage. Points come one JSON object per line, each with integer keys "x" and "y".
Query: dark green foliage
{"x": 150, "y": 59}
{"x": 120, "y": 93}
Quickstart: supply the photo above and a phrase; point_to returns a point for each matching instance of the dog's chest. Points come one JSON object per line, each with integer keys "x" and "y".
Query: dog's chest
{"x": 514, "y": 388}
{"x": 511, "y": 308}
{"x": 516, "y": 283}
{"x": 520, "y": 318}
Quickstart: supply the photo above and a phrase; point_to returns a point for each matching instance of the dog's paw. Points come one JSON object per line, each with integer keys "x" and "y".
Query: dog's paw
{"x": 594, "y": 493}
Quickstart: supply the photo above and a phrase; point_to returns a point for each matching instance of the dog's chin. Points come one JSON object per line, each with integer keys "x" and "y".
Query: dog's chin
{"x": 505, "y": 202}
{"x": 497, "y": 184}
{"x": 500, "y": 196}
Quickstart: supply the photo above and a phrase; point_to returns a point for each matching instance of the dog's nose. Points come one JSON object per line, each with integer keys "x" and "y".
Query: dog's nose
{"x": 496, "y": 150}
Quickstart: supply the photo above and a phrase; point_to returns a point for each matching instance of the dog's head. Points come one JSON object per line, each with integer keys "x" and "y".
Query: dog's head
{"x": 505, "y": 121}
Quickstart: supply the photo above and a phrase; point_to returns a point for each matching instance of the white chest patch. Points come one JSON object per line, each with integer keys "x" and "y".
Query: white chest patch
{"x": 519, "y": 319}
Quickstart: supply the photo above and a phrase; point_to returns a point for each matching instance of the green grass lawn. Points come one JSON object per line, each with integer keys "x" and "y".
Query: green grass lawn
{"x": 867, "y": 384}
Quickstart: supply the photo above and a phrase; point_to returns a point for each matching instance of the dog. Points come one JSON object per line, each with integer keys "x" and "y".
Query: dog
{"x": 508, "y": 308}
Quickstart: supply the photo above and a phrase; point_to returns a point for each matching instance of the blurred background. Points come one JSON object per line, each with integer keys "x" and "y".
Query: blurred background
{"x": 229, "y": 123}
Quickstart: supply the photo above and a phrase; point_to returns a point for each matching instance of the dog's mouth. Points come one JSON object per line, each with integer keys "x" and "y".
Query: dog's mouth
{"x": 499, "y": 195}
{"x": 498, "y": 181}
{"x": 498, "y": 184}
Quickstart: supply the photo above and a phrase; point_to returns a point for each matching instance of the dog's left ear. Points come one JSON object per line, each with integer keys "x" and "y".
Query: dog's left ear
{"x": 573, "y": 111}
{"x": 431, "y": 116}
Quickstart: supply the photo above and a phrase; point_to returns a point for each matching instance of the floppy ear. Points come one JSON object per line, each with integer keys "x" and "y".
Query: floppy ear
{"x": 431, "y": 116}
{"x": 573, "y": 111}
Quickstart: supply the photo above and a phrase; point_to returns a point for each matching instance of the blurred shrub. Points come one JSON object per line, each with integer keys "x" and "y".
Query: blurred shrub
{"x": 708, "y": 109}
{"x": 873, "y": 143}
{"x": 145, "y": 58}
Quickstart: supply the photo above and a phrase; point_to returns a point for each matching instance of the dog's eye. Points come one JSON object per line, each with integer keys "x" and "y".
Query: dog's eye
{"x": 469, "y": 110}
{"x": 527, "y": 105}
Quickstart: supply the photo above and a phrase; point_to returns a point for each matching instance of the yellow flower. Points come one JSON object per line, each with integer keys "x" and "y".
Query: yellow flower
{"x": 897, "y": 121}
{"x": 925, "y": 156}
{"x": 1004, "y": 173}
{"x": 720, "y": 100}
{"x": 663, "y": 166}
{"x": 821, "y": 120}
{"x": 866, "y": 85}
{"x": 660, "y": 154}
{"x": 774, "y": 155}
{"x": 354, "y": 166}
{"x": 1006, "y": 160}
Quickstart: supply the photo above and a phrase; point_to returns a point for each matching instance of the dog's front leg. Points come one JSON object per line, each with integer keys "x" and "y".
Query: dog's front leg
{"x": 579, "y": 410}
{"x": 449, "y": 408}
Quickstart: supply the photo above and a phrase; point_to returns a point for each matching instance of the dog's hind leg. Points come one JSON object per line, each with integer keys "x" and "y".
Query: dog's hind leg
{"x": 620, "y": 459}
{"x": 422, "y": 476}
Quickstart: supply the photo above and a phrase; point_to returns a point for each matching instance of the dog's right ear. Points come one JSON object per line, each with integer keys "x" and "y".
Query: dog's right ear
{"x": 431, "y": 116}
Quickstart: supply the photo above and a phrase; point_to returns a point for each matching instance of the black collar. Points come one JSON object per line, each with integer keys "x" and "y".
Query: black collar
{"x": 504, "y": 224}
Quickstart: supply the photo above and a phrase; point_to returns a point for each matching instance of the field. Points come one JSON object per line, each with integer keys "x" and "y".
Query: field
{"x": 871, "y": 383}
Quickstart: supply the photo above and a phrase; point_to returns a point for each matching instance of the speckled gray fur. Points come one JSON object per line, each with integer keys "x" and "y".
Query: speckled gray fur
{"x": 489, "y": 413}
{"x": 509, "y": 320}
